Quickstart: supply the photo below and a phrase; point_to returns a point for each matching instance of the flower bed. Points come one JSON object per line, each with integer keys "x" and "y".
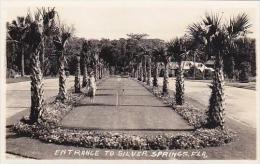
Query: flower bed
{"x": 93, "y": 139}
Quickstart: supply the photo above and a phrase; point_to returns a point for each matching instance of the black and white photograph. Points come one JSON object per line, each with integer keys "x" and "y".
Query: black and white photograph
{"x": 129, "y": 80}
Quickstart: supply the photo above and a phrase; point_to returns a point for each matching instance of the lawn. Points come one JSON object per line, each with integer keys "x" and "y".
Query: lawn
{"x": 22, "y": 79}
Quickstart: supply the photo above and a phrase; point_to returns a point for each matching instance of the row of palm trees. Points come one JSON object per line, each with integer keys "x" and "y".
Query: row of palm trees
{"x": 209, "y": 35}
{"x": 33, "y": 32}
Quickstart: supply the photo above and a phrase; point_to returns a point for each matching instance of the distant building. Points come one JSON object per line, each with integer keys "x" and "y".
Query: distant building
{"x": 187, "y": 65}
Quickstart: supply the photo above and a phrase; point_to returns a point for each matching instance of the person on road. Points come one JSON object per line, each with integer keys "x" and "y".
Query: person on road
{"x": 92, "y": 87}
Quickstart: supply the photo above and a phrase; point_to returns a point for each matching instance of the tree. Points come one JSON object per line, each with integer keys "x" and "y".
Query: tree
{"x": 238, "y": 27}
{"x": 212, "y": 36}
{"x": 16, "y": 31}
{"x": 33, "y": 36}
{"x": 60, "y": 40}
{"x": 77, "y": 76}
{"x": 85, "y": 61}
{"x": 165, "y": 57}
{"x": 137, "y": 43}
{"x": 177, "y": 49}
{"x": 217, "y": 99}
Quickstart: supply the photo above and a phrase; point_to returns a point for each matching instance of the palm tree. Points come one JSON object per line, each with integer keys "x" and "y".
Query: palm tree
{"x": 16, "y": 31}
{"x": 60, "y": 41}
{"x": 177, "y": 49}
{"x": 156, "y": 58}
{"x": 149, "y": 71}
{"x": 77, "y": 76}
{"x": 218, "y": 41}
{"x": 155, "y": 68}
{"x": 237, "y": 27}
{"x": 85, "y": 62}
{"x": 211, "y": 35}
{"x": 161, "y": 51}
{"x": 217, "y": 99}
{"x": 144, "y": 68}
{"x": 33, "y": 36}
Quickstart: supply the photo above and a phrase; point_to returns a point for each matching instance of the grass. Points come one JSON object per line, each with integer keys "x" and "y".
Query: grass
{"x": 23, "y": 79}
{"x": 250, "y": 85}
{"x": 17, "y": 80}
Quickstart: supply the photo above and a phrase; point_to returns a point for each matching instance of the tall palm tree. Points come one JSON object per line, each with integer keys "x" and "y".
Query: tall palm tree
{"x": 144, "y": 68}
{"x": 60, "y": 41}
{"x": 33, "y": 37}
{"x": 149, "y": 71}
{"x": 77, "y": 76}
{"x": 85, "y": 62}
{"x": 165, "y": 58}
{"x": 211, "y": 35}
{"x": 236, "y": 28}
{"x": 156, "y": 58}
{"x": 218, "y": 41}
{"x": 177, "y": 49}
{"x": 217, "y": 99}
{"x": 16, "y": 31}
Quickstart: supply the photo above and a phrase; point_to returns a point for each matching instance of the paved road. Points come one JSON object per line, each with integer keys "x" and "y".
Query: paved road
{"x": 240, "y": 103}
{"x": 121, "y": 104}
{"x": 18, "y": 97}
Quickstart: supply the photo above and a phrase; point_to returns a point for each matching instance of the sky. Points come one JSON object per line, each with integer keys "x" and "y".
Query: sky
{"x": 115, "y": 19}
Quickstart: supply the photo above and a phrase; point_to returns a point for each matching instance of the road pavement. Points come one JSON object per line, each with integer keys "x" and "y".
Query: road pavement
{"x": 240, "y": 103}
{"x": 18, "y": 97}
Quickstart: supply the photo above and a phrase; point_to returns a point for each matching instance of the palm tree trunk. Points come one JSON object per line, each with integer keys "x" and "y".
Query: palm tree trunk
{"x": 149, "y": 72}
{"x": 141, "y": 72}
{"x": 165, "y": 90}
{"x": 22, "y": 61}
{"x": 179, "y": 95}
{"x": 77, "y": 77}
{"x": 144, "y": 71}
{"x": 138, "y": 71}
{"x": 194, "y": 67}
{"x": 37, "y": 91}
{"x": 85, "y": 75}
{"x": 42, "y": 55}
{"x": 155, "y": 75}
{"x": 62, "y": 95}
{"x": 232, "y": 72}
{"x": 100, "y": 71}
{"x": 96, "y": 71}
{"x": 217, "y": 99}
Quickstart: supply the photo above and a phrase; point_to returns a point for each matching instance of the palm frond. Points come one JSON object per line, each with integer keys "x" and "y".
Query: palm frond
{"x": 238, "y": 25}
